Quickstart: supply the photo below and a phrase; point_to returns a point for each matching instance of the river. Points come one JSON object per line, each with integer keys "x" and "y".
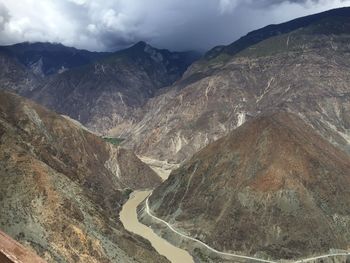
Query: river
{"x": 128, "y": 217}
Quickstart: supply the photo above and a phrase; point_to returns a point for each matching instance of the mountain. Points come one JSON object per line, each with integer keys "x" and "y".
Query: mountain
{"x": 298, "y": 66}
{"x": 111, "y": 91}
{"x": 61, "y": 187}
{"x": 272, "y": 187}
{"x": 45, "y": 59}
{"x": 259, "y": 35}
{"x": 16, "y": 77}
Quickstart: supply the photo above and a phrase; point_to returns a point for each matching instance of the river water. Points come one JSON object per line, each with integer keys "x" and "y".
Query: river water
{"x": 128, "y": 217}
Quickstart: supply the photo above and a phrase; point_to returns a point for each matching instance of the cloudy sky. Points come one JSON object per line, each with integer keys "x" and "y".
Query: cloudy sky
{"x": 173, "y": 24}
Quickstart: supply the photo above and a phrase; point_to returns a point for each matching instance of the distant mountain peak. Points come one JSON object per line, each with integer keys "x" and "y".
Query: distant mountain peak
{"x": 269, "y": 31}
{"x": 140, "y": 44}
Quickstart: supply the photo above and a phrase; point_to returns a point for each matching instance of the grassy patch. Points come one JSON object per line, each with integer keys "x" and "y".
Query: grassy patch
{"x": 114, "y": 141}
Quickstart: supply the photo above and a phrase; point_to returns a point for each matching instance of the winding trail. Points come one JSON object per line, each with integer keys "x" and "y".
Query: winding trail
{"x": 148, "y": 211}
{"x": 128, "y": 217}
{"x": 200, "y": 242}
{"x": 323, "y": 256}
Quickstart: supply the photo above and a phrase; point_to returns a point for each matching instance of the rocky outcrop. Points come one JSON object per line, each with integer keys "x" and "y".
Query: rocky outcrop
{"x": 271, "y": 188}
{"x": 13, "y": 252}
{"x": 61, "y": 187}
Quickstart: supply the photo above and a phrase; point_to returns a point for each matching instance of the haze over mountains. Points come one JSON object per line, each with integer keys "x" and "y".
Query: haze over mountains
{"x": 260, "y": 130}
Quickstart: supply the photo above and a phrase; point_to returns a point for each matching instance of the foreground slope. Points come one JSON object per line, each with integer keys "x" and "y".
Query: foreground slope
{"x": 61, "y": 187}
{"x": 272, "y": 187}
{"x": 304, "y": 69}
{"x": 13, "y": 252}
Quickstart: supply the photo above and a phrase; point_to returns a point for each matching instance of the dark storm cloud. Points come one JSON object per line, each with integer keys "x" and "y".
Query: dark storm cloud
{"x": 174, "y": 24}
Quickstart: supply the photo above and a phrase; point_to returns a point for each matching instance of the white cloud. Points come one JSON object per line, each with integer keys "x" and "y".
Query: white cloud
{"x": 175, "y": 24}
{"x": 226, "y": 6}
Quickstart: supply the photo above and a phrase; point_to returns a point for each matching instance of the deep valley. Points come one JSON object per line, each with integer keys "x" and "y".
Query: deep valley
{"x": 240, "y": 154}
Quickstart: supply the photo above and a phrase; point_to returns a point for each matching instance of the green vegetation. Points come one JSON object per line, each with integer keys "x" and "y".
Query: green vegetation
{"x": 114, "y": 141}
{"x": 127, "y": 192}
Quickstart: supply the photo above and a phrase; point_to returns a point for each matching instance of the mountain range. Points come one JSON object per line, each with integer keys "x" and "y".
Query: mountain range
{"x": 304, "y": 71}
{"x": 259, "y": 130}
{"x": 101, "y": 90}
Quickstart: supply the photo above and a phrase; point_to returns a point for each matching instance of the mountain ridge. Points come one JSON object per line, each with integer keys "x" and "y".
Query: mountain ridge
{"x": 304, "y": 71}
{"x": 256, "y": 36}
{"x": 271, "y": 187}
{"x": 62, "y": 187}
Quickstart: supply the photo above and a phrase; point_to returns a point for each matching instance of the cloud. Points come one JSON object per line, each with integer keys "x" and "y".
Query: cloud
{"x": 226, "y": 6}
{"x": 173, "y": 24}
{"x": 4, "y": 16}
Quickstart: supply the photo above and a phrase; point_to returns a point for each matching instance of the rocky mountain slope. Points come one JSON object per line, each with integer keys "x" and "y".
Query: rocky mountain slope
{"x": 45, "y": 59}
{"x": 16, "y": 77}
{"x": 110, "y": 92}
{"x": 269, "y": 31}
{"x": 61, "y": 187}
{"x": 300, "y": 66}
{"x": 101, "y": 90}
{"x": 273, "y": 188}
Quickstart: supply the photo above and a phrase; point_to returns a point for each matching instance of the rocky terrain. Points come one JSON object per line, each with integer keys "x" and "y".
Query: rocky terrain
{"x": 13, "y": 252}
{"x": 301, "y": 66}
{"x": 61, "y": 187}
{"x": 271, "y": 188}
{"x": 110, "y": 92}
{"x": 43, "y": 59}
{"x": 101, "y": 90}
{"x": 16, "y": 77}
{"x": 258, "y": 131}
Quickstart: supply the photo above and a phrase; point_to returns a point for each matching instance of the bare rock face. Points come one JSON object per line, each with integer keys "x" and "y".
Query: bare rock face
{"x": 303, "y": 69}
{"x": 272, "y": 187}
{"x": 61, "y": 187}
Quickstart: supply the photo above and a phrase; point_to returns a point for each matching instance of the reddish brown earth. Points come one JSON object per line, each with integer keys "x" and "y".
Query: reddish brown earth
{"x": 61, "y": 188}
{"x": 273, "y": 187}
{"x": 13, "y": 252}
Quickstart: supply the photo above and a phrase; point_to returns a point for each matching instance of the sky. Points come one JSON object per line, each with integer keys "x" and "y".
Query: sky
{"x": 108, "y": 25}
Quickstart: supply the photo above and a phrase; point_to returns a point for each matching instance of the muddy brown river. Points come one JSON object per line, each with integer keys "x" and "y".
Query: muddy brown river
{"x": 128, "y": 217}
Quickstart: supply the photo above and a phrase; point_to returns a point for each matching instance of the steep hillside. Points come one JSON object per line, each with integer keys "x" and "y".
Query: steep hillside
{"x": 259, "y": 35}
{"x": 110, "y": 92}
{"x": 272, "y": 187}
{"x": 61, "y": 187}
{"x": 16, "y": 77}
{"x": 48, "y": 58}
{"x": 304, "y": 71}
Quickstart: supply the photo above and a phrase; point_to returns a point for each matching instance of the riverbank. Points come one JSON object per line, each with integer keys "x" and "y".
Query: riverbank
{"x": 129, "y": 218}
